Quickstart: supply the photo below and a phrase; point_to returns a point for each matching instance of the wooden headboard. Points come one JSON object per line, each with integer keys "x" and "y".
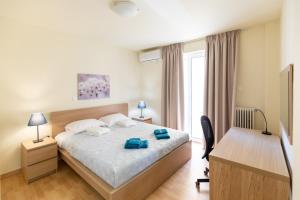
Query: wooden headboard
{"x": 60, "y": 119}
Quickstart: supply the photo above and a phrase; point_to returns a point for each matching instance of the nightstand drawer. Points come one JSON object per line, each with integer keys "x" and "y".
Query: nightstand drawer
{"x": 148, "y": 121}
{"x": 41, "y": 168}
{"x": 41, "y": 154}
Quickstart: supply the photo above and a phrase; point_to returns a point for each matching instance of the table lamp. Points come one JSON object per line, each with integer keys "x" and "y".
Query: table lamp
{"x": 142, "y": 105}
{"x": 266, "y": 132}
{"x": 37, "y": 119}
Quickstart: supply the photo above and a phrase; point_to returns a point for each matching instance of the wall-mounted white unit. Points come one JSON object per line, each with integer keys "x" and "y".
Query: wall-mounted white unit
{"x": 150, "y": 55}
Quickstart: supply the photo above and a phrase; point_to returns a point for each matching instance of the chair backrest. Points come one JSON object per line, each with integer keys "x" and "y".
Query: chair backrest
{"x": 208, "y": 135}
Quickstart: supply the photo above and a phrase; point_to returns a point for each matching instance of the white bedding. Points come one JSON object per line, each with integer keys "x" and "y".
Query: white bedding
{"x": 105, "y": 155}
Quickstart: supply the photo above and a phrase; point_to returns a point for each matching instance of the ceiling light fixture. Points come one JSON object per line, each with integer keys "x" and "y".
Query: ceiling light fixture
{"x": 125, "y": 8}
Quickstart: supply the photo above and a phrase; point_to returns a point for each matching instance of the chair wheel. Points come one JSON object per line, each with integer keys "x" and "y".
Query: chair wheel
{"x": 206, "y": 171}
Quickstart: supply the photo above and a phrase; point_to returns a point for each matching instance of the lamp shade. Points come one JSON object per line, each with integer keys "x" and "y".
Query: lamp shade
{"x": 37, "y": 119}
{"x": 142, "y": 104}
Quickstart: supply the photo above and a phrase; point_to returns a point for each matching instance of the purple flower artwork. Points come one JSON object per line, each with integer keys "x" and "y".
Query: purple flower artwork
{"x": 93, "y": 86}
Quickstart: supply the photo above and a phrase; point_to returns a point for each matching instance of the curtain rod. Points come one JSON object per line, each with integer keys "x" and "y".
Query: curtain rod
{"x": 184, "y": 42}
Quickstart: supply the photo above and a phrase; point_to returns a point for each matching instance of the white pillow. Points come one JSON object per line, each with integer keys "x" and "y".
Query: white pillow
{"x": 81, "y": 125}
{"x": 96, "y": 131}
{"x": 61, "y": 137}
{"x": 126, "y": 123}
{"x": 112, "y": 119}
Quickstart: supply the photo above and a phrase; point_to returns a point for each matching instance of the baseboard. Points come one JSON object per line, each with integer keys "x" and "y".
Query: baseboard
{"x": 11, "y": 173}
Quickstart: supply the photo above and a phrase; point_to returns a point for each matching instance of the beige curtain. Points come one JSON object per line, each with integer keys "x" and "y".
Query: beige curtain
{"x": 172, "y": 87}
{"x": 220, "y": 83}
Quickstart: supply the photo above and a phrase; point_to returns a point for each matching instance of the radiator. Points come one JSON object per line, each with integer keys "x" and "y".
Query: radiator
{"x": 244, "y": 117}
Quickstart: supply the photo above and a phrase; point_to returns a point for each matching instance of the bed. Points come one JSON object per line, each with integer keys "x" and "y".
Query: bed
{"x": 127, "y": 181}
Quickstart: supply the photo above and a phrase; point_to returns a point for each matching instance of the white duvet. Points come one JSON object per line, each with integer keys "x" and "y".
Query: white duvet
{"x": 105, "y": 155}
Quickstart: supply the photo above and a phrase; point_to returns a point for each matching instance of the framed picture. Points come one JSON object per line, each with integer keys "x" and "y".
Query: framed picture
{"x": 286, "y": 101}
{"x": 93, "y": 86}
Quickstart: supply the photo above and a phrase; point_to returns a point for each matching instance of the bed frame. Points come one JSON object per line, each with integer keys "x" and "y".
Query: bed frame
{"x": 140, "y": 186}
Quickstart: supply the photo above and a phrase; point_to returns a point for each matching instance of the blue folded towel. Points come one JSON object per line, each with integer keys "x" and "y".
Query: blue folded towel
{"x": 134, "y": 139}
{"x": 128, "y": 146}
{"x": 160, "y": 131}
{"x": 162, "y": 136}
{"x": 136, "y": 143}
{"x": 144, "y": 144}
{"x": 132, "y": 144}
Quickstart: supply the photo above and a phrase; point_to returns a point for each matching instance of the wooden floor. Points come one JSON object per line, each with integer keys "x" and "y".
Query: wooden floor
{"x": 66, "y": 184}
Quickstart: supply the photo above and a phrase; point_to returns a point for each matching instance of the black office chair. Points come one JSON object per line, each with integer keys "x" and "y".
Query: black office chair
{"x": 209, "y": 140}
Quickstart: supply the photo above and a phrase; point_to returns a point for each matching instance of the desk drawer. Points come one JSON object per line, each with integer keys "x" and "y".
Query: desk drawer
{"x": 41, "y": 168}
{"x": 41, "y": 154}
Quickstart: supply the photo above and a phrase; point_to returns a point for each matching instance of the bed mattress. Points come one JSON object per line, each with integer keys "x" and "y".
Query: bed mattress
{"x": 106, "y": 157}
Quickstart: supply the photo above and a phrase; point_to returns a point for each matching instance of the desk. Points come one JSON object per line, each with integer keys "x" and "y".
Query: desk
{"x": 246, "y": 164}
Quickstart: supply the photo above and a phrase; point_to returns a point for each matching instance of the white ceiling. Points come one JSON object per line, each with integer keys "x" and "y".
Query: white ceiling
{"x": 159, "y": 22}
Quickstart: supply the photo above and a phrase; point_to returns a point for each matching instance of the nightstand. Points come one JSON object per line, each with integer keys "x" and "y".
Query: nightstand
{"x": 39, "y": 159}
{"x": 145, "y": 119}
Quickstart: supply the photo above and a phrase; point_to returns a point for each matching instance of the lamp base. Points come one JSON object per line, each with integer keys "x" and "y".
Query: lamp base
{"x": 266, "y": 133}
{"x": 141, "y": 116}
{"x": 37, "y": 141}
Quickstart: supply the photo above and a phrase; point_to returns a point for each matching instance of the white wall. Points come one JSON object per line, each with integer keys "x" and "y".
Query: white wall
{"x": 151, "y": 93}
{"x": 39, "y": 73}
{"x": 290, "y": 42}
{"x": 258, "y": 73}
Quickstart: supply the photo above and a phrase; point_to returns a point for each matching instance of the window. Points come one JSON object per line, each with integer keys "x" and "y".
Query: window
{"x": 194, "y": 76}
